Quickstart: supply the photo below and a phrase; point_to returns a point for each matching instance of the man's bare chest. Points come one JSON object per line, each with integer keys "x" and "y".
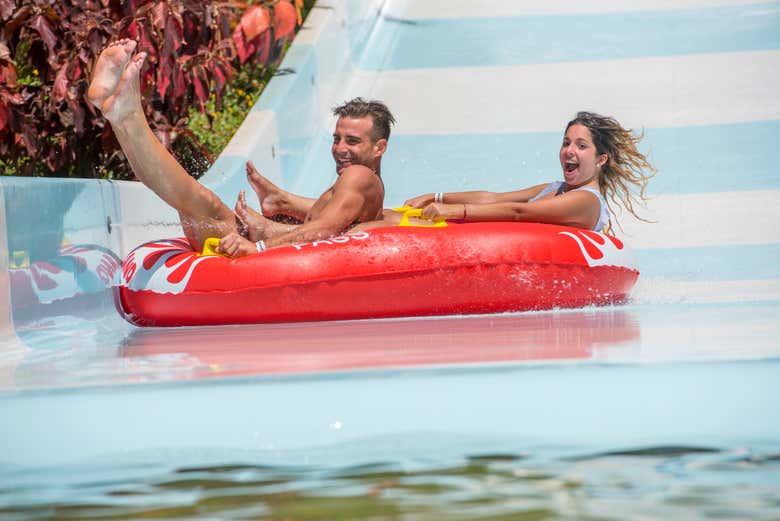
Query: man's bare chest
{"x": 320, "y": 204}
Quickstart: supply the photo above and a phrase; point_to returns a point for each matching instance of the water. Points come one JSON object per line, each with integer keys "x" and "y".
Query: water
{"x": 542, "y": 421}
{"x": 665, "y": 408}
{"x": 669, "y": 482}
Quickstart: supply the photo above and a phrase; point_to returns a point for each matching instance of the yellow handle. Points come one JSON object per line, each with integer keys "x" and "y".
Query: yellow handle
{"x": 410, "y": 211}
{"x": 19, "y": 259}
{"x": 210, "y": 247}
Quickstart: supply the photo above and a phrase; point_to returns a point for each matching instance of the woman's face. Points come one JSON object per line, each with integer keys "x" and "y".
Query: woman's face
{"x": 578, "y": 156}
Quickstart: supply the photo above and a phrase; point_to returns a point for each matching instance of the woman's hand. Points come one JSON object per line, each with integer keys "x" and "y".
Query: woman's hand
{"x": 442, "y": 211}
{"x": 233, "y": 245}
{"x": 419, "y": 201}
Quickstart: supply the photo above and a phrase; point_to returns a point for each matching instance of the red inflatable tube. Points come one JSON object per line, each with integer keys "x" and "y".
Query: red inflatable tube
{"x": 388, "y": 272}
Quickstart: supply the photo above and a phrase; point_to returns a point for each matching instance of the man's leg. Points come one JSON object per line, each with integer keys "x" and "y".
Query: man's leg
{"x": 256, "y": 225}
{"x": 389, "y": 218}
{"x": 274, "y": 200}
{"x": 115, "y": 90}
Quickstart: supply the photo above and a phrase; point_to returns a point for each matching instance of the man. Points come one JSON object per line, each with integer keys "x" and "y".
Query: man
{"x": 359, "y": 141}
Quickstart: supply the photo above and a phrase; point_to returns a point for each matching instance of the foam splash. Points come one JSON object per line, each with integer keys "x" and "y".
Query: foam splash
{"x": 663, "y": 290}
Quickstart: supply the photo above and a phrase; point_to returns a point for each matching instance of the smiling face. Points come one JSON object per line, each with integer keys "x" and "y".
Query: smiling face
{"x": 354, "y": 145}
{"x": 579, "y": 159}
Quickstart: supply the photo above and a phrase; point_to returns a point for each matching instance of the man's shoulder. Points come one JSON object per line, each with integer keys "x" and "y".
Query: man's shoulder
{"x": 358, "y": 174}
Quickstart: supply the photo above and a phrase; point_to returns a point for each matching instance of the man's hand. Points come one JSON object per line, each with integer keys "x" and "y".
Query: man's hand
{"x": 233, "y": 245}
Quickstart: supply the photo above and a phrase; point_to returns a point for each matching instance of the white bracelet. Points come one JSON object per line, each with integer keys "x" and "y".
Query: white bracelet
{"x": 260, "y": 245}
{"x": 438, "y": 197}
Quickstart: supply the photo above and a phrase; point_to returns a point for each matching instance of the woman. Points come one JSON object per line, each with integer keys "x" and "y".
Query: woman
{"x": 600, "y": 163}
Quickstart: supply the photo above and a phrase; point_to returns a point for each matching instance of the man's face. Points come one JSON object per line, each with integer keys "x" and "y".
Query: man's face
{"x": 352, "y": 143}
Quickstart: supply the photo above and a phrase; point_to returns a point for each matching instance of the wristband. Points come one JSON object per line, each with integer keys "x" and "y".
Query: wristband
{"x": 260, "y": 245}
{"x": 438, "y": 197}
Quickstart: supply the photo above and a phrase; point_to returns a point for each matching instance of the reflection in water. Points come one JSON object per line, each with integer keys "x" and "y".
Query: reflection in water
{"x": 35, "y": 215}
{"x": 338, "y": 346}
{"x": 80, "y": 277}
{"x": 81, "y": 347}
{"x": 649, "y": 483}
{"x": 60, "y": 306}
{"x": 59, "y": 241}
{"x": 50, "y": 271}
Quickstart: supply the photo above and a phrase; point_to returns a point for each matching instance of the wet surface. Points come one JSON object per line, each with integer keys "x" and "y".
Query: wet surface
{"x": 55, "y": 354}
{"x": 660, "y": 482}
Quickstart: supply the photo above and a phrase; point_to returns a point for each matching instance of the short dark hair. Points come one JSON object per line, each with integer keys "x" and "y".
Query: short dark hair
{"x": 381, "y": 118}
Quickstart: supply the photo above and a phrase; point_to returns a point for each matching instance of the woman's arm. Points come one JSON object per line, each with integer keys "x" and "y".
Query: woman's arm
{"x": 476, "y": 197}
{"x": 578, "y": 209}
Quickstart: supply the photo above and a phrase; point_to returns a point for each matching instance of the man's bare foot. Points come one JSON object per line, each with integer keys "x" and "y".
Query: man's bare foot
{"x": 126, "y": 98}
{"x": 108, "y": 70}
{"x": 273, "y": 200}
{"x": 257, "y": 226}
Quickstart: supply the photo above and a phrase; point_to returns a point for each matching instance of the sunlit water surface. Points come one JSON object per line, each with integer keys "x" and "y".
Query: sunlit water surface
{"x": 651, "y": 483}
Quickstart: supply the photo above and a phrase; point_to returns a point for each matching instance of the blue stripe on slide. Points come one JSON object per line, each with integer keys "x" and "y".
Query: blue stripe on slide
{"x": 405, "y": 44}
{"x": 747, "y": 262}
{"x": 714, "y": 158}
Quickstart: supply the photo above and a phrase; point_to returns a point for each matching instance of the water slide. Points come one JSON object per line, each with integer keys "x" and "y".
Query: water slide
{"x": 481, "y": 91}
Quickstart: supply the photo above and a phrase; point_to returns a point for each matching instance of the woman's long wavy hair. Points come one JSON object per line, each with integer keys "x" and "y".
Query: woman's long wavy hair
{"x": 623, "y": 179}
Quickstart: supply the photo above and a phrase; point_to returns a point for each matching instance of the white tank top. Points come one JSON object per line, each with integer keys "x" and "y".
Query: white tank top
{"x": 603, "y": 208}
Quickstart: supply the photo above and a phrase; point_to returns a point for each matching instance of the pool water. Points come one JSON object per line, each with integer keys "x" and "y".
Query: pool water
{"x": 650, "y": 483}
{"x": 665, "y": 408}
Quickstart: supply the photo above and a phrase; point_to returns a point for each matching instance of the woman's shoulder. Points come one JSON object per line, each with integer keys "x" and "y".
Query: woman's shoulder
{"x": 592, "y": 189}
{"x": 545, "y": 189}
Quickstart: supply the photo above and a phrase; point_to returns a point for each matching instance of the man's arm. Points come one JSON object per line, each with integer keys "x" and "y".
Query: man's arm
{"x": 350, "y": 192}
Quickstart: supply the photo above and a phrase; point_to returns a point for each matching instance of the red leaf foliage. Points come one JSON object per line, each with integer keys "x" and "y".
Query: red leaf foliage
{"x": 194, "y": 48}
{"x": 254, "y": 22}
{"x": 285, "y": 20}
